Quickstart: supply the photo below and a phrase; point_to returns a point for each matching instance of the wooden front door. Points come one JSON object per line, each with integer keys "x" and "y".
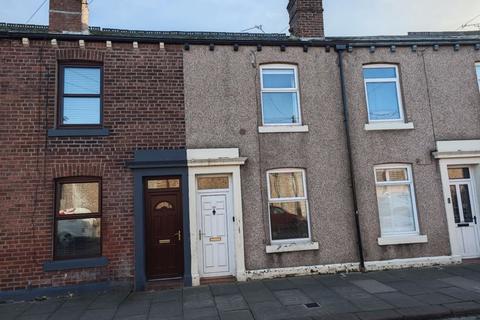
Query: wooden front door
{"x": 164, "y": 231}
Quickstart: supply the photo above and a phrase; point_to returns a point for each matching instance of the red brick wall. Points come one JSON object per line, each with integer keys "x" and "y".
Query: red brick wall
{"x": 143, "y": 108}
{"x": 306, "y": 18}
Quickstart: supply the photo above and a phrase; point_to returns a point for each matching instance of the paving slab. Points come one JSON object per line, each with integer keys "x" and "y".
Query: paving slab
{"x": 371, "y": 304}
{"x": 236, "y": 315}
{"x": 425, "y": 312}
{"x": 462, "y": 308}
{"x": 230, "y": 302}
{"x": 409, "y": 287}
{"x": 224, "y": 289}
{"x": 292, "y": 297}
{"x": 463, "y": 283}
{"x": 435, "y": 298}
{"x": 165, "y": 310}
{"x": 373, "y": 286}
{"x": 399, "y": 300}
{"x": 380, "y": 315}
{"x": 279, "y": 284}
{"x": 461, "y": 294}
{"x": 270, "y": 311}
{"x": 201, "y": 313}
{"x": 98, "y": 314}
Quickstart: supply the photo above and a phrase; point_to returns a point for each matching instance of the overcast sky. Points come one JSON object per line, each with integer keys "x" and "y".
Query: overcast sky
{"x": 342, "y": 17}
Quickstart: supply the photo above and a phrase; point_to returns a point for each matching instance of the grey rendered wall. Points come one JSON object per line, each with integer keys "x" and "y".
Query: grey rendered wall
{"x": 222, "y": 110}
{"x": 451, "y": 111}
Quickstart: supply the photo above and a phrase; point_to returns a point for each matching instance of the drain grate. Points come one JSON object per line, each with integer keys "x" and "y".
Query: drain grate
{"x": 312, "y": 305}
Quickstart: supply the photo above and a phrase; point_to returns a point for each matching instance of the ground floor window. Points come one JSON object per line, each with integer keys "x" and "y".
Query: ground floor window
{"x": 78, "y": 218}
{"x": 396, "y": 200}
{"x": 288, "y": 205}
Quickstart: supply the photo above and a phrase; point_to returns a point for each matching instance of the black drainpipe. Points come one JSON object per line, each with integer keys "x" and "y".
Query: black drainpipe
{"x": 340, "y": 50}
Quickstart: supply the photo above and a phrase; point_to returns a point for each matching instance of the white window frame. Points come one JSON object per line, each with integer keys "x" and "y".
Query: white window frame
{"x": 477, "y": 67}
{"x": 408, "y": 182}
{"x": 295, "y": 199}
{"x": 380, "y": 80}
{"x": 288, "y": 90}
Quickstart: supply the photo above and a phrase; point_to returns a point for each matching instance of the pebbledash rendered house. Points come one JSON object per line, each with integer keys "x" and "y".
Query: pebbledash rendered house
{"x": 138, "y": 156}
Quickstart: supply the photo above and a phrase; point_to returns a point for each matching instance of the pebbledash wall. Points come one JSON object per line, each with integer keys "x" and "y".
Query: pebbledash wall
{"x": 440, "y": 99}
{"x": 143, "y": 109}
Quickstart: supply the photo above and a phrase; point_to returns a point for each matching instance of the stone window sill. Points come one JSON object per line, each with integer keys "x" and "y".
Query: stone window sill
{"x": 59, "y": 265}
{"x": 407, "y": 239}
{"x": 381, "y": 126}
{"x": 78, "y": 132}
{"x": 292, "y": 247}
{"x": 280, "y": 129}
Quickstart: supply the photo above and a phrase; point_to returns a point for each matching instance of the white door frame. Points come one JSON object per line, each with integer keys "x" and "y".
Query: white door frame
{"x": 230, "y": 225}
{"x": 216, "y": 162}
{"x": 444, "y": 164}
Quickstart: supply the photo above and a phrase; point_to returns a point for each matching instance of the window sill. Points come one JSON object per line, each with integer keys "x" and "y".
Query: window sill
{"x": 59, "y": 265}
{"x": 292, "y": 247}
{"x": 380, "y": 126}
{"x": 280, "y": 129}
{"x": 78, "y": 132}
{"x": 407, "y": 239}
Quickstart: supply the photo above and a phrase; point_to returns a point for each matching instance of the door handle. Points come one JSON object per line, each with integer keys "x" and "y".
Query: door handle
{"x": 199, "y": 234}
{"x": 475, "y": 219}
{"x": 179, "y": 235}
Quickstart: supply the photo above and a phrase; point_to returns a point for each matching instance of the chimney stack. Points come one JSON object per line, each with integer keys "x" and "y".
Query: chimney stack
{"x": 68, "y": 16}
{"x": 306, "y": 18}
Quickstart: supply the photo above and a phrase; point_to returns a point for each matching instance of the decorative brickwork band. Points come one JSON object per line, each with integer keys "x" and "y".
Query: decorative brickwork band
{"x": 80, "y": 54}
{"x": 91, "y": 169}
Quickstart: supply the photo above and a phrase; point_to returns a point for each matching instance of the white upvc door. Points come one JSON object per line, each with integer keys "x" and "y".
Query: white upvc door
{"x": 215, "y": 235}
{"x": 463, "y": 201}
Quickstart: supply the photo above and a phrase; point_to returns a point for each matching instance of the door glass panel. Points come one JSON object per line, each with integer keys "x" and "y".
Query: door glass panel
{"x": 458, "y": 173}
{"x": 208, "y": 183}
{"x": 453, "y": 195}
{"x": 164, "y": 184}
{"x": 164, "y": 205}
{"x": 466, "y": 206}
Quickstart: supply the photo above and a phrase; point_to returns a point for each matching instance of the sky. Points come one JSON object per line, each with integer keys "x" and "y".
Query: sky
{"x": 342, "y": 17}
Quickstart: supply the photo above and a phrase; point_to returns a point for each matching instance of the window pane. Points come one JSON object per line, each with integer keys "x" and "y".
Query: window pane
{"x": 164, "y": 184}
{"x": 288, "y": 220}
{"x": 77, "y": 238}
{"x": 205, "y": 183}
{"x": 384, "y": 175}
{"x": 81, "y": 111}
{"x": 456, "y": 210}
{"x": 379, "y": 73}
{"x": 383, "y": 101}
{"x": 278, "y": 78}
{"x": 82, "y": 81}
{"x": 466, "y": 205}
{"x": 395, "y": 208}
{"x": 79, "y": 198}
{"x": 458, "y": 173}
{"x": 286, "y": 185}
{"x": 280, "y": 107}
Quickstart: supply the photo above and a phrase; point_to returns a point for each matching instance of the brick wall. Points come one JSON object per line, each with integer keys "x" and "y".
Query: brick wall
{"x": 143, "y": 108}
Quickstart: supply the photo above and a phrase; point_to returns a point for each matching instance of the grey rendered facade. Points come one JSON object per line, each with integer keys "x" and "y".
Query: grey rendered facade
{"x": 440, "y": 97}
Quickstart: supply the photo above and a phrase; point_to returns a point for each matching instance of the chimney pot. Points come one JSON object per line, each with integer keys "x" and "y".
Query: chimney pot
{"x": 306, "y": 18}
{"x": 68, "y": 16}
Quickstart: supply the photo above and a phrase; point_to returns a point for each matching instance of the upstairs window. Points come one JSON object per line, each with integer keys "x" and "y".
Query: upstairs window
{"x": 396, "y": 200}
{"x": 382, "y": 88}
{"x": 280, "y": 97}
{"x": 80, "y": 95}
{"x": 288, "y": 205}
{"x": 78, "y": 218}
